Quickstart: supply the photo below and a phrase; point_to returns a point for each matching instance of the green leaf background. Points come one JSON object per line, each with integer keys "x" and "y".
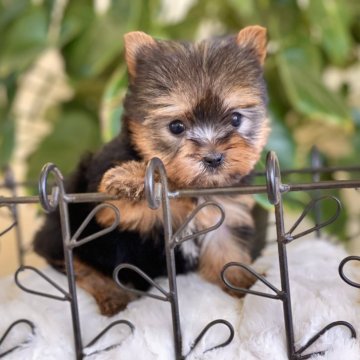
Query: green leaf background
{"x": 306, "y": 39}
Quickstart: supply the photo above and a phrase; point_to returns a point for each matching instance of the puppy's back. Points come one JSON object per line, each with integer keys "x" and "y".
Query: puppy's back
{"x": 48, "y": 240}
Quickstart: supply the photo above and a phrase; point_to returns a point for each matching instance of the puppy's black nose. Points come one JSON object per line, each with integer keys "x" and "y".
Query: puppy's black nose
{"x": 213, "y": 160}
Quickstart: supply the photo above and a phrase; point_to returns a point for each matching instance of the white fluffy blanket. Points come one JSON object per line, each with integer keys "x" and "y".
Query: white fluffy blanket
{"x": 319, "y": 297}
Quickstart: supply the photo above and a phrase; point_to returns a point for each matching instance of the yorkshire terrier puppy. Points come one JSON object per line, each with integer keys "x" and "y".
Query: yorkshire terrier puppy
{"x": 201, "y": 109}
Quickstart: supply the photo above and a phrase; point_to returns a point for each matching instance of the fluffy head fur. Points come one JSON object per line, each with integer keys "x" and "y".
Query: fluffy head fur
{"x": 202, "y": 85}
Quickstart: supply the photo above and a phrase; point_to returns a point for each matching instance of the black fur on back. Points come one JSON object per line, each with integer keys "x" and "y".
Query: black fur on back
{"x": 116, "y": 247}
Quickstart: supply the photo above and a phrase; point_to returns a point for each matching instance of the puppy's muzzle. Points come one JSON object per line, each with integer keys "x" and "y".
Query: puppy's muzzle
{"x": 213, "y": 160}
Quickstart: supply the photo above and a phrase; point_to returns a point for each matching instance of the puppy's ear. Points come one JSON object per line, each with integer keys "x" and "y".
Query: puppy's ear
{"x": 254, "y": 37}
{"x": 134, "y": 42}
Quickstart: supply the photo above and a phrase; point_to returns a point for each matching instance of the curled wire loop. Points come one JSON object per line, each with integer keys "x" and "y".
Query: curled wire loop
{"x": 341, "y": 270}
{"x": 9, "y": 329}
{"x": 227, "y": 282}
{"x": 312, "y": 340}
{"x": 153, "y": 189}
{"x": 148, "y": 279}
{"x": 66, "y": 296}
{"x": 50, "y": 204}
{"x": 74, "y": 242}
{"x": 13, "y": 224}
{"x": 177, "y": 239}
{"x": 273, "y": 178}
{"x": 313, "y": 203}
{"x": 106, "y": 330}
{"x": 206, "y": 329}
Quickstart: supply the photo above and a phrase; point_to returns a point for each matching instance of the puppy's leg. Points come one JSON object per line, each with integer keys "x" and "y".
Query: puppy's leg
{"x": 216, "y": 253}
{"x": 109, "y": 297}
{"x": 125, "y": 180}
{"x": 228, "y": 243}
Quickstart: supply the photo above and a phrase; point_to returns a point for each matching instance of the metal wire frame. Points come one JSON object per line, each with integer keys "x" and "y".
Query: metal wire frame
{"x": 11, "y": 185}
{"x": 58, "y": 199}
{"x": 30, "y": 325}
{"x": 275, "y": 191}
{"x": 158, "y": 194}
{"x": 342, "y": 273}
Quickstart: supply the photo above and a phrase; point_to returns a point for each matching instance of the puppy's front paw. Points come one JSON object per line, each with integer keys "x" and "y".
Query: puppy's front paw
{"x": 111, "y": 305}
{"x": 126, "y": 180}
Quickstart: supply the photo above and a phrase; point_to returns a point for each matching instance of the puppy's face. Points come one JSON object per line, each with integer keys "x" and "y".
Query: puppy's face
{"x": 200, "y": 108}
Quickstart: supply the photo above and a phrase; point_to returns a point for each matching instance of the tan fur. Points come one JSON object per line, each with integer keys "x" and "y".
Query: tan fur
{"x": 109, "y": 297}
{"x": 240, "y": 158}
{"x": 127, "y": 181}
{"x": 233, "y": 100}
{"x": 220, "y": 246}
{"x": 254, "y": 36}
{"x": 235, "y": 207}
{"x": 139, "y": 217}
{"x": 215, "y": 256}
{"x": 183, "y": 157}
{"x": 133, "y": 42}
{"x": 142, "y": 142}
{"x": 240, "y": 155}
{"x": 173, "y": 105}
{"x": 179, "y": 103}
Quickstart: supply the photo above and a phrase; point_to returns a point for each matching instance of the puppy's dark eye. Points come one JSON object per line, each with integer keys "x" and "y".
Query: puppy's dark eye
{"x": 236, "y": 119}
{"x": 177, "y": 127}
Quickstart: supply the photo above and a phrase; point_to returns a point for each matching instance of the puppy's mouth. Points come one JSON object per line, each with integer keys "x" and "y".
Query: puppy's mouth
{"x": 205, "y": 171}
{"x": 211, "y": 181}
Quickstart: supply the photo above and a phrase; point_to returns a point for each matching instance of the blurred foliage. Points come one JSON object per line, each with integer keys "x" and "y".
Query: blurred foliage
{"x": 306, "y": 39}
